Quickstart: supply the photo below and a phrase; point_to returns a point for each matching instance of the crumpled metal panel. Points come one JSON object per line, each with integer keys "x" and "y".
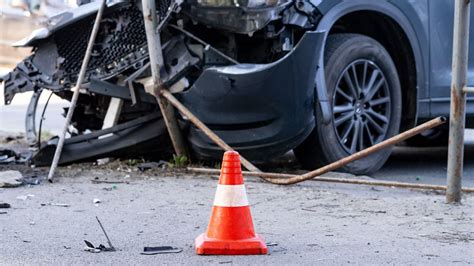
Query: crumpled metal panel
{"x": 271, "y": 104}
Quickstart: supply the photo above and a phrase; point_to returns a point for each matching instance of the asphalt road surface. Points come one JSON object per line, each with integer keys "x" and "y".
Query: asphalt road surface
{"x": 426, "y": 165}
{"x": 308, "y": 223}
{"x": 419, "y": 165}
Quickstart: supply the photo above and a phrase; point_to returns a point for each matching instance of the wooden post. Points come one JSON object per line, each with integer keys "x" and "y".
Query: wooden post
{"x": 156, "y": 60}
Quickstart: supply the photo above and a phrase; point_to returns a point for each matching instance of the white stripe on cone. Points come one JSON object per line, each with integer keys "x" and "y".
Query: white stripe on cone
{"x": 231, "y": 196}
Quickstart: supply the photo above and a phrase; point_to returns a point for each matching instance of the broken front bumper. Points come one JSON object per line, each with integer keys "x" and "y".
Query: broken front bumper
{"x": 260, "y": 110}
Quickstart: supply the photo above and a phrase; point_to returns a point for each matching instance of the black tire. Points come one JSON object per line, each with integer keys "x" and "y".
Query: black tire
{"x": 333, "y": 141}
{"x": 430, "y": 138}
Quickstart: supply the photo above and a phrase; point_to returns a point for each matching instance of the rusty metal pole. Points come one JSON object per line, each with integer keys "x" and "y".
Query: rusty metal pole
{"x": 353, "y": 181}
{"x": 156, "y": 60}
{"x": 458, "y": 100}
{"x": 289, "y": 179}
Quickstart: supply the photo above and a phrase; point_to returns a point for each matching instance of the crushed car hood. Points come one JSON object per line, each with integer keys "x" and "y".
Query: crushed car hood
{"x": 64, "y": 19}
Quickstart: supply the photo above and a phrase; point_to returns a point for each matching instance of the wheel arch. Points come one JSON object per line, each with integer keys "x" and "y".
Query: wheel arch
{"x": 413, "y": 81}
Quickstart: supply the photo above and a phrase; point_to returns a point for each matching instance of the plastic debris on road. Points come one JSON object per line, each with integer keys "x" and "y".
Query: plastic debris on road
{"x": 160, "y": 250}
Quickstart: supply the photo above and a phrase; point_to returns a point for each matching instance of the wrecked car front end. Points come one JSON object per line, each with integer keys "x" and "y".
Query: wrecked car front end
{"x": 246, "y": 68}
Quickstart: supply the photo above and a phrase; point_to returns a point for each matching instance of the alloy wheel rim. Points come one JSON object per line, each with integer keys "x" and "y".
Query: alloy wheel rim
{"x": 361, "y": 106}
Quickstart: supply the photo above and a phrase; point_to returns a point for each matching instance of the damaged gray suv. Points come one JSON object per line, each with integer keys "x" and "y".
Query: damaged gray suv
{"x": 325, "y": 78}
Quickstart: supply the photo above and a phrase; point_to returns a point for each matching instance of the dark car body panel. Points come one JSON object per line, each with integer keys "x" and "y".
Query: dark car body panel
{"x": 259, "y": 102}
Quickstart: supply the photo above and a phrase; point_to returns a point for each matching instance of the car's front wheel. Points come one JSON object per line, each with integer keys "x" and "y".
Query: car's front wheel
{"x": 364, "y": 90}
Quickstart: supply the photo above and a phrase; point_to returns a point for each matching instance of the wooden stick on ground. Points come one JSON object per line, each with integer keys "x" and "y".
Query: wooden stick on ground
{"x": 156, "y": 60}
{"x": 216, "y": 139}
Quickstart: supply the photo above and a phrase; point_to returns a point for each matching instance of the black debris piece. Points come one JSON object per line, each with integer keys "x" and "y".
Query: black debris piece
{"x": 160, "y": 250}
{"x": 93, "y": 249}
{"x": 4, "y": 205}
{"x": 7, "y": 157}
{"x": 32, "y": 180}
{"x": 56, "y": 204}
{"x": 89, "y": 244}
{"x": 11, "y": 157}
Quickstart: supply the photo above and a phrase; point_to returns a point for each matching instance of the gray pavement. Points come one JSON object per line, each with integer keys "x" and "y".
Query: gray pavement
{"x": 12, "y": 118}
{"x": 425, "y": 165}
{"x": 312, "y": 223}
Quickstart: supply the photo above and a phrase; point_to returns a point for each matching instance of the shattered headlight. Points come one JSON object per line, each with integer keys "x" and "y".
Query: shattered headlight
{"x": 238, "y": 3}
{"x": 240, "y": 16}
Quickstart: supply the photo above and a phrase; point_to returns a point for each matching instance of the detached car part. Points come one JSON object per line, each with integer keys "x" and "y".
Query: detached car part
{"x": 145, "y": 136}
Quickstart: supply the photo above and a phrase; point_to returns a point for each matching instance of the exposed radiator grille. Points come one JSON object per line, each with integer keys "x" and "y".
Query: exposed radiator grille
{"x": 121, "y": 33}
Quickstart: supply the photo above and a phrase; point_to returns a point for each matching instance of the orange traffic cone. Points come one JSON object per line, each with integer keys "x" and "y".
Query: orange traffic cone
{"x": 230, "y": 231}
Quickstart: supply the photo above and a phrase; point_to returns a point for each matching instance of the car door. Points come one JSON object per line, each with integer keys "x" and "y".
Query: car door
{"x": 441, "y": 17}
